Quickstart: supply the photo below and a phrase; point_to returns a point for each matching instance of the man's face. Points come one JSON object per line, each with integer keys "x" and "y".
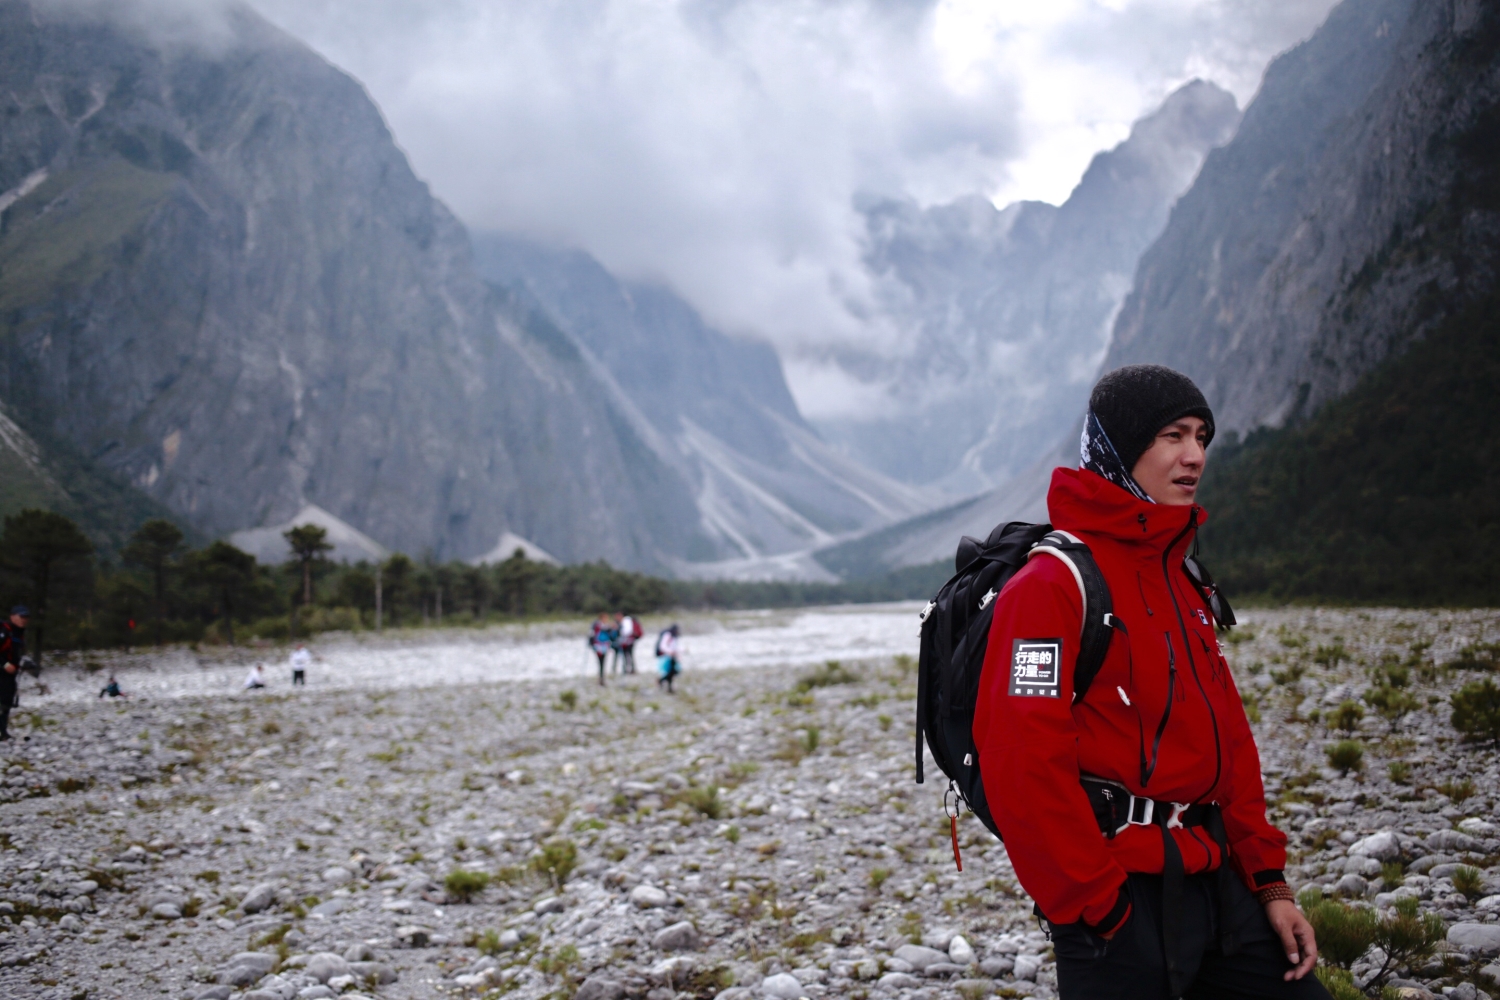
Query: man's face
{"x": 1170, "y": 469}
{"x": 19, "y": 621}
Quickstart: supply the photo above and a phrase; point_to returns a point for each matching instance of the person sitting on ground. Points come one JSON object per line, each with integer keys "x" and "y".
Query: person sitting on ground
{"x": 300, "y": 659}
{"x": 112, "y": 689}
{"x": 601, "y": 639}
{"x": 668, "y": 649}
{"x": 1135, "y": 816}
{"x": 256, "y": 678}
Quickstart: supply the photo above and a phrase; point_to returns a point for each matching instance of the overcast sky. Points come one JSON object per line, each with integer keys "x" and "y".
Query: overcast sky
{"x": 716, "y": 145}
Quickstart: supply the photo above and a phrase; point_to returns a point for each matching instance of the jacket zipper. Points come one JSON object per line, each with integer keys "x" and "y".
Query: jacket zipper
{"x": 1166, "y": 713}
{"x": 1213, "y": 717}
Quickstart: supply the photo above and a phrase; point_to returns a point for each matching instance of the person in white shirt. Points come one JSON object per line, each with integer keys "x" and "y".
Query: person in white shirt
{"x": 256, "y": 678}
{"x": 668, "y": 648}
{"x": 300, "y": 659}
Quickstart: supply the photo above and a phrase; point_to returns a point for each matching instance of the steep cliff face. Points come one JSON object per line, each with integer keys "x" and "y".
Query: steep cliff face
{"x": 716, "y": 408}
{"x": 1339, "y": 225}
{"x": 220, "y": 281}
{"x": 1008, "y": 312}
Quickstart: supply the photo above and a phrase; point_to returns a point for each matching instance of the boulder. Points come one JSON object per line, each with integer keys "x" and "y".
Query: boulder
{"x": 1382, "y": 846}
{"x": 325, "y": 965}
{"x": 551, "y": 904}
{"x": 996, "y": 966}
{"x": 1451, "y": 840}
{"x": 1351, "y": 885}
{"x": 379, "y": 971}
{"x": 338, "y": 875}
{"x": 413, "y": 935}
{"x": 259, "y": 898}
{"x": 1481, "y": 939}
{"x": 166, "y": 911}
{"x": 1026, "y": 966}
{"x": 360, "y": 952}
{"x": 682, "y": 936}
{"x": 647, "y": 897}
{"x": 920, "y": 957}
{"x": 960, "y": 952}
{"x": 214, "y": 993}
{"x": 781, "y": 987}
{"x": 900, "y": 981}
{"x": 940, "y": 938}
{"x": 942, "y": 970}
{"x": 259, "y": 962}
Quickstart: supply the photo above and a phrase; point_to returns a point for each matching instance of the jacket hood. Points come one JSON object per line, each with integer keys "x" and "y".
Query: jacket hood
{"x": 1083, "y": 501}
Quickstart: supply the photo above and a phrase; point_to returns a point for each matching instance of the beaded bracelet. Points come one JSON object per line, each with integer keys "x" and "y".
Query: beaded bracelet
{"x": 1268, "y": 893}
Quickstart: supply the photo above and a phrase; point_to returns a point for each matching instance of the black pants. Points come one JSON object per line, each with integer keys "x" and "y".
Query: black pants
{"x": 299, "y": 677}
{"x": 625, "y": 659}
{"x": 601, "y": 655}
{"x": 7, "y": 699}
{"x": 1132, "y": 966}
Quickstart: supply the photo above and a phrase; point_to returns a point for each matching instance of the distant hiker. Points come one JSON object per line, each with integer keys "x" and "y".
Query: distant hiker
{"x": 668, "y": 648}
{"x": 112, "y": 689}
{"x": 628, "y": 631}
{"x": 1132, "y": 808}
{"x": 256, "y": 678}
{"x": 12, "y": 650}
{"x": 601, "y": 638}
{"x": 300, "y": 659}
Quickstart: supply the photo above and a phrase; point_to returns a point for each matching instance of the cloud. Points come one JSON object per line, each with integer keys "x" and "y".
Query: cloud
{"x": 718, "y": 145}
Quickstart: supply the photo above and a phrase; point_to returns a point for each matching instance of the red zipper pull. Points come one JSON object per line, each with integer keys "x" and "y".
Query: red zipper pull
{"x": 953, "y": 828}
{"x": 953, "y": 821}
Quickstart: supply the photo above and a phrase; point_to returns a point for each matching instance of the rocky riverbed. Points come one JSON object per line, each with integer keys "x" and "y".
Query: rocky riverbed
{"x": 756, "y": 834}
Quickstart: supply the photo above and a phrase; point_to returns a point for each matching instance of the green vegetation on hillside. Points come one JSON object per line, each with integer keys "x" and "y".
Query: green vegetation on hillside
{"x": 1390, "y": 494}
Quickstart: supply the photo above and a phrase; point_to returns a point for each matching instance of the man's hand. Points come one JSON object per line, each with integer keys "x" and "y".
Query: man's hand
{"x": 1296, "y": 936}
{"x": 10, "y": 668}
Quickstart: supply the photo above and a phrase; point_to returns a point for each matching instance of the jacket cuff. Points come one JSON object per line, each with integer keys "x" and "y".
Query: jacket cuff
{"x": 1116, "y": 916}
{"x": 1268, "y": 877}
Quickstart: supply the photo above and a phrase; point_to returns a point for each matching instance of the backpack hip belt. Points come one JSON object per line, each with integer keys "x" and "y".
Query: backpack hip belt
{"x": 1117, "y": 808}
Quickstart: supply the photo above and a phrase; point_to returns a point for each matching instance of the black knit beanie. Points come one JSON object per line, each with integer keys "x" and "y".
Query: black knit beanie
{"x": 1135, "y": 402}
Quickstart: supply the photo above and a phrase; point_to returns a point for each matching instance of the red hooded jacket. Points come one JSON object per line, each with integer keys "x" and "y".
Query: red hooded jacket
{"x": 1032, "y": 749}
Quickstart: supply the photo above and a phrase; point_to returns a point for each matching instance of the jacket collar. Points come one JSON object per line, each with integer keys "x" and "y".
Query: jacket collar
{"x": 1082, "y": 501}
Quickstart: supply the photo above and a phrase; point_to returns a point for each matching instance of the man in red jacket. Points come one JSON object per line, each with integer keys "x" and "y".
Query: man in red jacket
{"x": 1135, "y": 817}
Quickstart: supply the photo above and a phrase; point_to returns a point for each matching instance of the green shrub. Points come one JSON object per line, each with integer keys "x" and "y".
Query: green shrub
{"x": 1476, "y": 710}
{"x": 1339, "y": 983}
{"x": 1392, "y": 874}
{"x": 1346, "y": 756}
{"x": 705, "y": 799}
{"x": 1459, "y": 790}
{"x": 1407, "y": 936}
{"x": 567, "y": 700}
{"x": 464, "y": 884}
{"x": 829, "y": 674}
{"x": 1400, "y": 772}
{"x": 1331, "y": 656}
{"x": 488, "y": 943}
{"x": 558, "y": 858}
{"x": 878, "y": 877}
{"x": 1478, "y": 656}
{"x": 1346, "y": 717}
{"x": 1469, "y": 881}
{"x": 811, "y": 736}
{"x": 1391, "y": 702}
{"x": 885, "y": 722}
{"x": 1344, "y": 933}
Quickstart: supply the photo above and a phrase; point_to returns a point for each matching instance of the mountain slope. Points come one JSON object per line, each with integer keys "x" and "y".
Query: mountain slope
{"x": 1005, "y": 314}
{"x": 220, "y": 282}
{"x": 1332, "y": 231}
{"x": 715, "y": 408}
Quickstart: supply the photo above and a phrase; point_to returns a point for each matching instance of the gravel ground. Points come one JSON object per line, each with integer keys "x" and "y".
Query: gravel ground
{"x": 750, "y": 836}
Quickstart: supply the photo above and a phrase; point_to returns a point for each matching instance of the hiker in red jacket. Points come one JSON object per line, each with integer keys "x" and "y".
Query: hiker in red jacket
{"x": 1118, "y": 810}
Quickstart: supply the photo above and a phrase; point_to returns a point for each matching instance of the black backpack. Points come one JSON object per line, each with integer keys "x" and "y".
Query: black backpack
{"x": 955, "y": 634}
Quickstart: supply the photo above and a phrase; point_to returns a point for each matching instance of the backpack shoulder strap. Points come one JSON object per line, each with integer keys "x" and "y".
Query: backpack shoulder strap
{"x": 1098, "y": 624}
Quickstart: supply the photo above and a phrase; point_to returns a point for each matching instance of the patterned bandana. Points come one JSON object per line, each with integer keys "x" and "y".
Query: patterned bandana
{"x": 1097, "y": 454}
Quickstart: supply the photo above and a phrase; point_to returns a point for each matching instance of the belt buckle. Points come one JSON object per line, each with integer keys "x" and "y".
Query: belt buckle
{"x": 1174, "y": 821}
{"x": 1134, "y": 805}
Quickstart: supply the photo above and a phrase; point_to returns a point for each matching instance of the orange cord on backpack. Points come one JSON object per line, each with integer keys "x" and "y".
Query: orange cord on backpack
{"x": 953, "y": 823}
